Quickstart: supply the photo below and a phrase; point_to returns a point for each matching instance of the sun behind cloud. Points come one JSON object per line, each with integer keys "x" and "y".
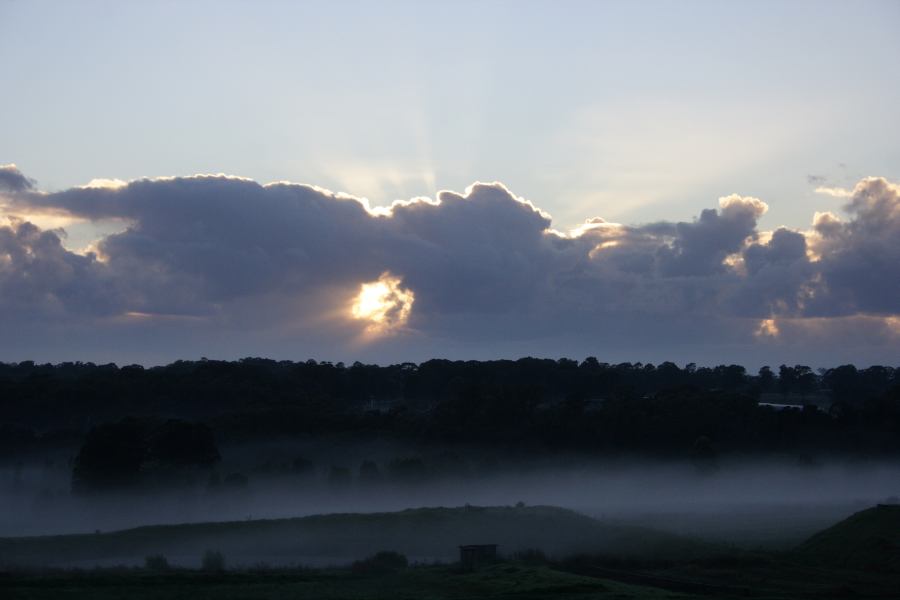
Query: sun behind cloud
{"x": 384, "y": 303}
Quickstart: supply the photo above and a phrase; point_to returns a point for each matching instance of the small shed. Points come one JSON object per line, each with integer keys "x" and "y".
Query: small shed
{"x": 474, "y": 556}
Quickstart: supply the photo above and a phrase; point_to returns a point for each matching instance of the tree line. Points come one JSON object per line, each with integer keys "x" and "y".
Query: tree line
{"x": 539, "y": 404}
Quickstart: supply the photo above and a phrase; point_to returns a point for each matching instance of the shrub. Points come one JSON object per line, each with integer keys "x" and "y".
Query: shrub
{"x": 156, "y": 562}
{"x": 385, "y": 561}
{"x": 213, "y": 561}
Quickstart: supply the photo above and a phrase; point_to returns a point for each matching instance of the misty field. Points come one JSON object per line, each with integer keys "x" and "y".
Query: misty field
{"x": 549, "y": 552}
{"x": 428, "y": 533}
{"x": 259, "y": 479}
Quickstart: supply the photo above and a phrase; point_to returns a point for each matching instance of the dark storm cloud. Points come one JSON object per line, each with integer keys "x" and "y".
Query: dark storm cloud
{"x": 484, "y": 265}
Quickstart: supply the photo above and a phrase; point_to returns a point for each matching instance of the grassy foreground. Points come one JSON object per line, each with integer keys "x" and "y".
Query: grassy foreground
{"x": 507, "y": 580}
{"x": 859, "y": 558}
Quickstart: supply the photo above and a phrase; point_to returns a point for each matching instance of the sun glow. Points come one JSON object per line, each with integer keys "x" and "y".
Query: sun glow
{"x": 603, "y": 246}
{"x": 383, "y": 303}
{"x": 768, "y": 328}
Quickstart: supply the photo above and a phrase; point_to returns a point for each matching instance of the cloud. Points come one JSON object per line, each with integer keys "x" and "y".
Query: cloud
{"x": 860, "y": 258}
{"x": 778, "y": 277}
{"x": 834, "y": 192}
{"x": 816, "y": 180}
{"x": 39, "y": 279}
{"x": 255, "y": 267}
{"x": 12, "y": 180}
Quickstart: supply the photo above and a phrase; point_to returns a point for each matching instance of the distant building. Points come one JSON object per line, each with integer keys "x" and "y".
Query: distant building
{"x": 780, "y": 406}
{"x": 821, "y": 400}
{"x": 474, "y": 556}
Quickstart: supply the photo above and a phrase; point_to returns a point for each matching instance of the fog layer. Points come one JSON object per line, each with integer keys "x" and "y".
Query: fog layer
{"x": 749, "y": 503}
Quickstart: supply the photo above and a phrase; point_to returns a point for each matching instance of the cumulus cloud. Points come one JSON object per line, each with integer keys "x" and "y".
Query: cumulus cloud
{"x": 860, "y": 257}
{"x": 12, "y": 180}
{"x": 40, "y": 279}
{"x": 286, "y": 262}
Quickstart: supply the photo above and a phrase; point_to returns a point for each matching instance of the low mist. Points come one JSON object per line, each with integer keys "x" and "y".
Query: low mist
{"x": 771, "y": 503}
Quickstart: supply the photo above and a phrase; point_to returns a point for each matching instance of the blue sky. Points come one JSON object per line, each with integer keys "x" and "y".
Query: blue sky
{"x": 642, "y": 113}
{"x": 630, "y": 111}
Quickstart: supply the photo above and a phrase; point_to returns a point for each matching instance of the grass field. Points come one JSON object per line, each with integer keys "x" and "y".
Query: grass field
{"x": 856, "y": 558}
{"x": 504, "y": 580}
{"x": 422, "y": 532}
{"x": 510, "y": 580}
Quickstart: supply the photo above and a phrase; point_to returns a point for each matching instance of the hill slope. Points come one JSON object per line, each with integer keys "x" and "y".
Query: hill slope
{"x": 868, "y": 540}
{"x": 424, "y": 532}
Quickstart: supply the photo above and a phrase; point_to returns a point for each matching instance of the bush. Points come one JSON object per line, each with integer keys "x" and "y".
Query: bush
{"x": 382, "y": 562}
{"x": 156, "y": 562}
{"x": 213, "y": 561}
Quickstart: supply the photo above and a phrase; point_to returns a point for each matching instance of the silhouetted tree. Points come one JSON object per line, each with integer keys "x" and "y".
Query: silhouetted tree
{"x": 182, "y": 444}
{"x": 766, "y": 379}
{"x": 111, "y": 457}
{"x": 126, "y": 454}
{"x": 529, "y": 403}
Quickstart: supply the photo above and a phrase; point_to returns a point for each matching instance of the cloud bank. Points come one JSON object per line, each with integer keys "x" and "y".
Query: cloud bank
{"x": 224, "y": 266}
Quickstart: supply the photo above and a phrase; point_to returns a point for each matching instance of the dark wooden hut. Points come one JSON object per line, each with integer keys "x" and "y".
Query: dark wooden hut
{"x": 474, "y": 556}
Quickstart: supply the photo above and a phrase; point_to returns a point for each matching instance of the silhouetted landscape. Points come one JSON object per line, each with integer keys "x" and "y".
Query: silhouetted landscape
{"x": 649, "y": 475}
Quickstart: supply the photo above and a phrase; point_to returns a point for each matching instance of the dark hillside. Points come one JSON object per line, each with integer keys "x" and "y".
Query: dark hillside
{"x": 868, "y": 540}
{"x": 431, "y": 532}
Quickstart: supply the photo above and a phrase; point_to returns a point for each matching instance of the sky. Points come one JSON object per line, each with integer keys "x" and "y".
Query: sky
{"x": 695, "y": 181}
